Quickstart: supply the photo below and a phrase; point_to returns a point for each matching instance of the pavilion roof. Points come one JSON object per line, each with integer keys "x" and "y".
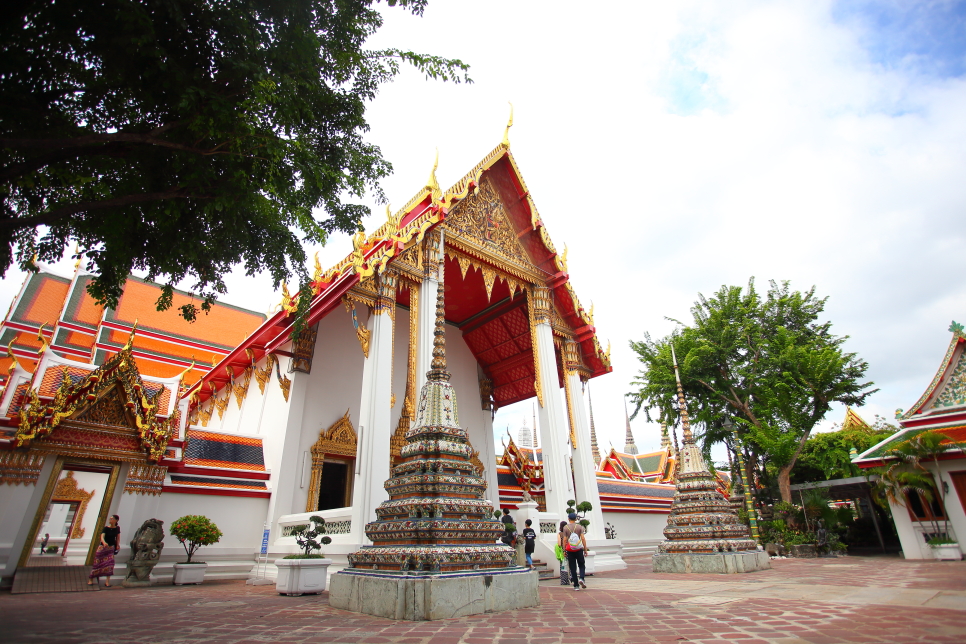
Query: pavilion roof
{"x": 481, "y": 280}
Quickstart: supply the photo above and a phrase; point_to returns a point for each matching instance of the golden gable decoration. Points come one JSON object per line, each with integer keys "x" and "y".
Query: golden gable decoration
{"x": 118, "y": 376}
{"x": 482, "y": 215}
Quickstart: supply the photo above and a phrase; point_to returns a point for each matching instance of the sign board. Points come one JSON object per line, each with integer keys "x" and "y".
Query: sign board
{"x": 265, "y": 542}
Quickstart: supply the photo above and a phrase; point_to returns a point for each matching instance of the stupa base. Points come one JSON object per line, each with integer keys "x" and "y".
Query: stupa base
{"x": 718, "y": 562}
{"x": 431, "y": 597}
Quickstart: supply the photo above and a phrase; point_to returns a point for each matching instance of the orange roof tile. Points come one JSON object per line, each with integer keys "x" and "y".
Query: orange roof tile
{"x": 225, "y": 325}
{"x": 81, "y": 308}
{"x": 43, "y": 299}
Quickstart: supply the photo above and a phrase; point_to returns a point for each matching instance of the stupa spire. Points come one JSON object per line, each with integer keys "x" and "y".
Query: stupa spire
{"x": 436, "y": 519}
{"x": 629, "y": 446}
{"x": 594, "y": 450}
{"x": 701, "y": 521}
{"x": 665, "y": 438}
{"x": 682, "y": 404}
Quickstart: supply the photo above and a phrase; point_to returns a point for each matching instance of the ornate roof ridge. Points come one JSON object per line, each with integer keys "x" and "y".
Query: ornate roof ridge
{"x": 958, "y": 335}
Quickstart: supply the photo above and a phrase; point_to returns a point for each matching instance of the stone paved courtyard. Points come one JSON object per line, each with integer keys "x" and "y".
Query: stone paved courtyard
{"x": 825, "y": 601}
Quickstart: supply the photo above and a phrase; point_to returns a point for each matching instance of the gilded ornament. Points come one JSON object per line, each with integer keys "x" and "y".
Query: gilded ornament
{"x": 18, "y": 467}
{"x": 67, "y": 490}
{"x": 44, "y": 345}
{"x": 283, "y": 381}
{"x": 506, "y": 132}
{"x": 263, "y": 375}
{"x": 288, "y": 304}
{"x": 483, "y": 218}
{"x": 338, "y": 440}
{"x": 13, "y": 364}
{"x": 533, "y": 345}
{"x": 362, "y": 333}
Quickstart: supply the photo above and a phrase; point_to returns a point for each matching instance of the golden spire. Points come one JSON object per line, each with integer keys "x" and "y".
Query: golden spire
{"x": 682, "y": 405}
{"x": 130, "y": 339}
{"x": 506, "y": 132}
{"x": 594, "y": 450}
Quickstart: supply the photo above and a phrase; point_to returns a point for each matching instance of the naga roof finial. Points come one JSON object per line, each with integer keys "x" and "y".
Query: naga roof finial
{"x": 506, "y": 132}
{"x": 432, "y": 184}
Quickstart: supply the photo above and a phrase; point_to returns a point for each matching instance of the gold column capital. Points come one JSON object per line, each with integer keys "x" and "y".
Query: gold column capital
{"x": 541, "y": 298}
{"x": 432, "y": 252}
{"x": 386, "y": 293}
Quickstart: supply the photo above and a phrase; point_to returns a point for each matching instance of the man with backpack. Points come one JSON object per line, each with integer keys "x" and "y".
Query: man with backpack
{"x": 530, "y": 536}
{"x": 575, "y": 544}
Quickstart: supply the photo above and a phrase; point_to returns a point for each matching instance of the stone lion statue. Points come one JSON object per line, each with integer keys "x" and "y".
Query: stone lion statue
{"x": 148, "y": 541}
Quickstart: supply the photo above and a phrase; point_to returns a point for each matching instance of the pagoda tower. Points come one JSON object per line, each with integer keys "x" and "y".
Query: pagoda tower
{"x": 525, "y": 436}
{"x": 703, "y": 532}
{"x": 436, "y": 526}
{"x": 629, "y": 446}
{"x": 594, "y": 450}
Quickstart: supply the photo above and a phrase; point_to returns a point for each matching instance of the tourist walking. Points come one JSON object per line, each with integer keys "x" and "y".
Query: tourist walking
{"x": 562, "y": 555}
{"x": 104, "y": 556}
{"x": 575, "y": 543}
{"x": 43, "y": 543}
{"x": 530, "y": 542}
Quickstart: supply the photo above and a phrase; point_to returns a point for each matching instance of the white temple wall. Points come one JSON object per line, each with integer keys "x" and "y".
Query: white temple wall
{"x": 18, "y": 503}
{"x": 637, "y": 526}
{"x": 462, "y": 364}
{"x": 331, "y": 389}
{"x": 239, "y": 518}
{"x": 911, "y": 533}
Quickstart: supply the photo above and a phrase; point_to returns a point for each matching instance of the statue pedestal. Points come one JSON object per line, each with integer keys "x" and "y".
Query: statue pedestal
{"x": 431, "y": 597}
{"x": 718, "y": 562}
{"x": 138, "y": 574}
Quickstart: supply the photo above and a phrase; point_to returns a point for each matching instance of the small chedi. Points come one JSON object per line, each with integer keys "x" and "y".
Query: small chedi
{"x": 436, "y": 535}
{"x": 703, "y": 533}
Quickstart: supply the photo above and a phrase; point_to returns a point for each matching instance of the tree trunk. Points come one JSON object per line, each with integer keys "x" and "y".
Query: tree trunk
{"x": 785, "y": 473}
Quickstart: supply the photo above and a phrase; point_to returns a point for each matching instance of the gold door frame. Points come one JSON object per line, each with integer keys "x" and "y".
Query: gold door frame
{"x": 49, "y": 493}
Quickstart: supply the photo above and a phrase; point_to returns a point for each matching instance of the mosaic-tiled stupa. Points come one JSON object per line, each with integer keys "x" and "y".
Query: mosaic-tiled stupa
{"x": 436, "y": 520}
{"x": 702, "y": 520}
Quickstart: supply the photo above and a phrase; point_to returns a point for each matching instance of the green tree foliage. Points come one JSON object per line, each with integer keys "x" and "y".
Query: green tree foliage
{"x": 767, "y": 361}
{"x": 184, "y": 137}
{"x": 194, "y": 531}
{"x": 826, "y": 456}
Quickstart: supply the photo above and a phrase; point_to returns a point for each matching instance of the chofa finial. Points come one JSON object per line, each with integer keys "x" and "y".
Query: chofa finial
{"x": 432, "y": 184}
{"x": 506, "y": 132}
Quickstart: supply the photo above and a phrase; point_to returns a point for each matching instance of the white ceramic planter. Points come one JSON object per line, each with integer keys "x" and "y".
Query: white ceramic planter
{"x": 193, "y": 573}
{"x": 301, "y": 576}
{"x": 947, "y": 552}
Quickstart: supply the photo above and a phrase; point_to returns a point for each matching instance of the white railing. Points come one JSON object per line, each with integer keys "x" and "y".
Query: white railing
{"x": 338, "y": 525}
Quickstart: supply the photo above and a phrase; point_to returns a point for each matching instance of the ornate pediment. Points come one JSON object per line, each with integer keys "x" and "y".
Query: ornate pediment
{"x": 483, "y": 218}
{"x": 108, "y": 410}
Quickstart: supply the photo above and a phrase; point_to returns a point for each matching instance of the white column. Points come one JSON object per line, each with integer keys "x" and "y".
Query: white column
{"x": 432, "y": 249}
{"x": 553, "y": 415}
{"x": 286, "y": 476}
{"x": 585, "y": 477}
{"x": 487, "y": 450}
{"x": 375, "y": 430}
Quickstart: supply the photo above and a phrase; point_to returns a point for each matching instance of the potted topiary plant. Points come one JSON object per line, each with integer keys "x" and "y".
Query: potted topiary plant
{"x": 305, "y": 573}
{"x": 193, "y": 531}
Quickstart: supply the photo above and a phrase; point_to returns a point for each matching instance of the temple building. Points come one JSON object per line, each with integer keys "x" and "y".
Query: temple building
{"x": 941, "y": 409}
{"x": 287, "y": 425}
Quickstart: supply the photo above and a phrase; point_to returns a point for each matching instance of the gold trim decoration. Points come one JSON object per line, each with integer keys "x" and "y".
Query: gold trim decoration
{"x": 362, "y": 333}
{"x": 490, "y": 273}
{"x": 483, "y": 217}
{"x": 18, "y": 467}
{"x": 263, "y": 375}
{"x": 570, "y": 363}
{"x": 241, "y": 389}
{"x": 145, "y": 479}
{"x": 221, "y": 404}
{"x": 38, "y": 420}
{"x": 67, "y": 490}
{"x": 205, "y": 414}
{"x": 533, "y": 345}
{"x": 339, "y": 439}
{"x": 14, "y": 364}
{"x": 283, "y": 381}
{"x": 289, "y": 304}
{"x": 506, "y": 132}
{"x": 44, "y": 345}
{"x": 431, "y": 254}
{"x": 386, "y": 294}
{"x": 486, "y": 394}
